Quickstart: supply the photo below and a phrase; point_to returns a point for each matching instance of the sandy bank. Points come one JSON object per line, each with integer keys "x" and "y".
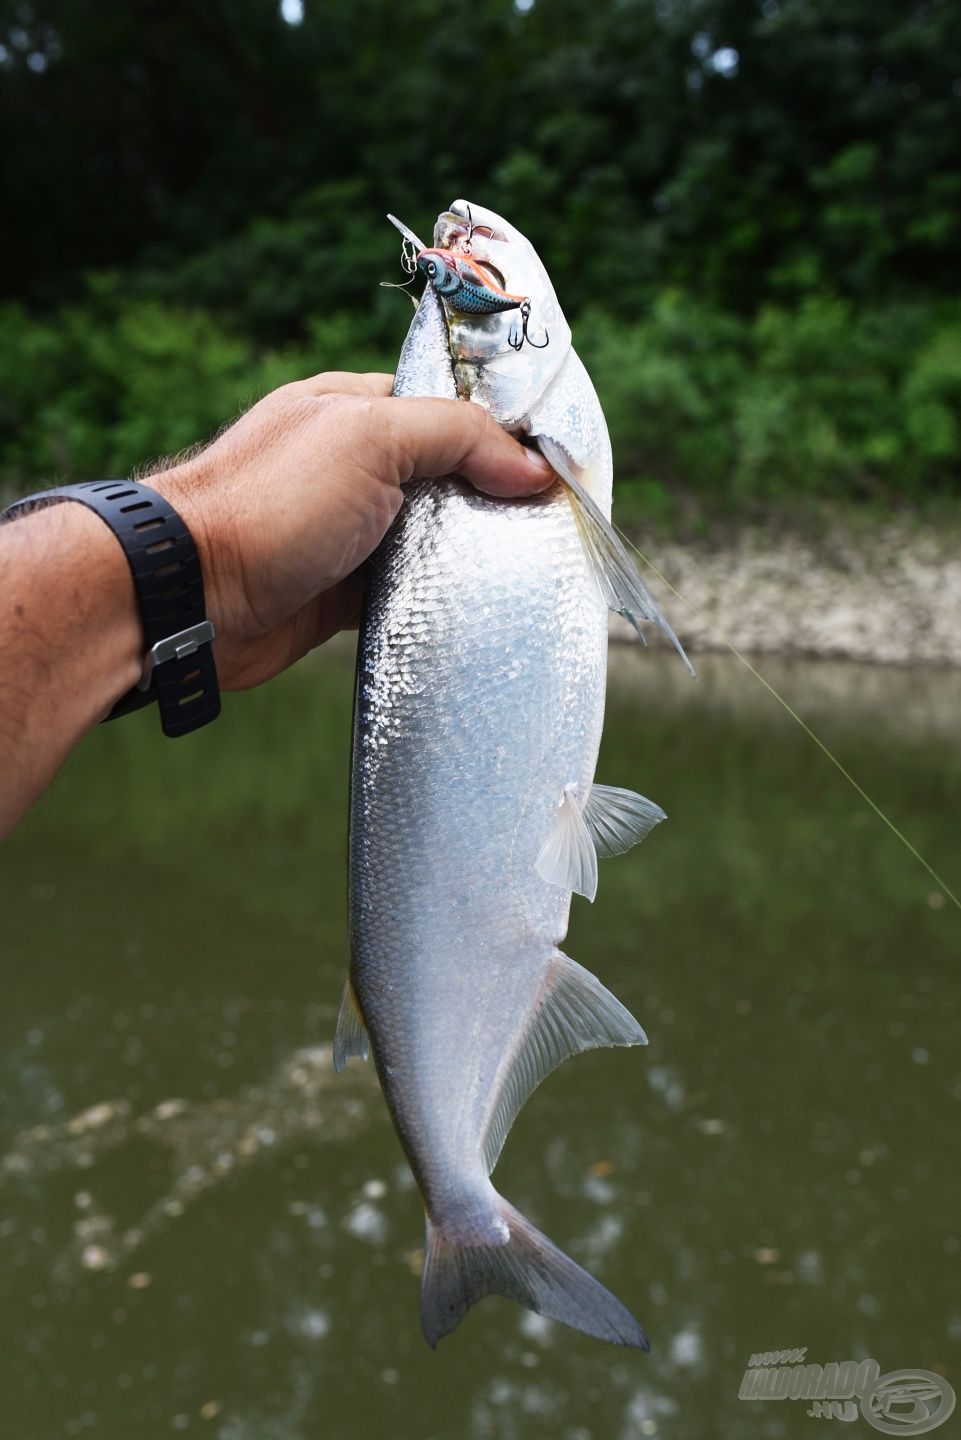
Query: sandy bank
{"x": 887, "y": 594}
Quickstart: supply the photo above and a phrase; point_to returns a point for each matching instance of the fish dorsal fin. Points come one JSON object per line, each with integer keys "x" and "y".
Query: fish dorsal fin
{"x": 567, "y": 858}
{"x": 350, "y": 1037}
{"x": 622, "y": 587}
{"x": 575, "y": 1013}
{"x": 618, "y": 819}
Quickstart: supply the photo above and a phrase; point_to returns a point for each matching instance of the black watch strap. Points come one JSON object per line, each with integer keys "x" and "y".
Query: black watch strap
{"x": 179, "y": 671}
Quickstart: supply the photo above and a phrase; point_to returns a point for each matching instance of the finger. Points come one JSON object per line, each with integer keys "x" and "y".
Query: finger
{"x": 372, "y": 384}
{"x": 380, "y": 384}
{"x": 438, "y": 437}
{"x": 336, "y": 609}
{"x": 345, "y": 602}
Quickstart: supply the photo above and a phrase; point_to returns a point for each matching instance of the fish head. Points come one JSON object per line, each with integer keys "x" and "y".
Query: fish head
{"x": 509, "y": 346}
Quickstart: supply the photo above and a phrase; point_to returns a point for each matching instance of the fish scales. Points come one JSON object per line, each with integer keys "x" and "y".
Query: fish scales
{"x": 480, "y": 697}
{"x": 478, "y": 714}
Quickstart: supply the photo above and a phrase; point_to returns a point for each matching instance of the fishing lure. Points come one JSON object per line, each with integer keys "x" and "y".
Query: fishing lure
{"x": 472, "y": 290}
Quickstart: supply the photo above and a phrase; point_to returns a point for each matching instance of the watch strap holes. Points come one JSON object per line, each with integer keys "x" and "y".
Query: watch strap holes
{"x": 180, "y": 672}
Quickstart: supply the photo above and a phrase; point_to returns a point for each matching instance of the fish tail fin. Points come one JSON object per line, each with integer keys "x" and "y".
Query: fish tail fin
{"x": 514, "y": 1259}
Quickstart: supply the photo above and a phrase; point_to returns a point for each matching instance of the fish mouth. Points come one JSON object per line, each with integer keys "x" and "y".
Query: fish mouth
{"x": 468, "y": 228}
{"x": 462, "y": 213}
{"x": 458, "y": 229}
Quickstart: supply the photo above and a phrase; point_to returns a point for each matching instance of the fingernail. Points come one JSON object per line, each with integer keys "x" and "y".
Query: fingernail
{"x": 536, "y": 459}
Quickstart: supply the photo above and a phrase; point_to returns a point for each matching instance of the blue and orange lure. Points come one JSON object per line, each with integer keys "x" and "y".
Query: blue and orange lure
{"x": 464, "y": 285}
{"x": 471, "y": 290}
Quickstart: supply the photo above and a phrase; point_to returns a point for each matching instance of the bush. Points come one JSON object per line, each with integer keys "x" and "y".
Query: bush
{"x": 817, "y": 398}
{"x": 101, "y": 388}
{"x": 820, "y": 398}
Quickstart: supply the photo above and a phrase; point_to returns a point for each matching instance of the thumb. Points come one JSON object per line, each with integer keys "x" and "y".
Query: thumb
{"x": 427, "y": 437}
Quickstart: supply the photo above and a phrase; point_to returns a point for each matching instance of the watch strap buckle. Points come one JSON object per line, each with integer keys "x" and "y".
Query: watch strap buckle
{"x": 175, "y": 647}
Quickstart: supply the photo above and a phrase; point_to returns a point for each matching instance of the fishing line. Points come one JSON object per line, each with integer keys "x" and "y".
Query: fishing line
{"x": 795, "y": 716}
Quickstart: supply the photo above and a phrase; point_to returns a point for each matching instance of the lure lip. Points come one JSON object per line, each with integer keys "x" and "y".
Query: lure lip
{"x": 406, "y": 231}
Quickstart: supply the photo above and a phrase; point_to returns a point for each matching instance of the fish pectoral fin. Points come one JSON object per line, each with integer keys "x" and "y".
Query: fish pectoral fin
{"x": 575, "y": 1012}
{"x": 350, "y": 1038}
{"x": 618, "y": 819}
{"x": 567, "y": 858}
{"x": 516, "y": 1260}
{"x": 615, "y": 571}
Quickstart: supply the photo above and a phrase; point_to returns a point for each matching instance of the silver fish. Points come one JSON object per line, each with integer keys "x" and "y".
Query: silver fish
{"x": 479, "y": 706}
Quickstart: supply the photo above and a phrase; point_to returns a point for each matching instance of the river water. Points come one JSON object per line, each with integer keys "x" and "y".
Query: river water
{"x": 204, "y": 1231}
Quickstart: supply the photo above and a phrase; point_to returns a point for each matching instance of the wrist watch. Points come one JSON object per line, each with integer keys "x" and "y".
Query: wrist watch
{"x": 179, "y": 671}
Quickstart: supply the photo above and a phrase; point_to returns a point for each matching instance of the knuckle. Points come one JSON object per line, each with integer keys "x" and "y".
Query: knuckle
{"x": 330, "y": 409}
{"x": 486, "y": 426}
{"x": 334, "y": 380}
{"x": 379, "y": 382}
{"x": 291, "y": 391}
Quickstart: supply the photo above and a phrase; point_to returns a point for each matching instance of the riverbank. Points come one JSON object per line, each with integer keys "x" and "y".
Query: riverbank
{"x": 886, "y": 592}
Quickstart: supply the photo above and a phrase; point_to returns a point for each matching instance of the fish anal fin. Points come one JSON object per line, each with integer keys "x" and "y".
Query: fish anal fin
{"x": 516, "y": 1260}
{"x": 618, "y": 819}
{"x": 567, "y": 858}
{"x": 576, "y": 1012}
{"x": 350, "y": 1037}
{"x": 621, "y": 586}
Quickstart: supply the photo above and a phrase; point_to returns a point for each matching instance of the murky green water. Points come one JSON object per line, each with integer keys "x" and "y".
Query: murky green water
{"x": 203, "y": 1231}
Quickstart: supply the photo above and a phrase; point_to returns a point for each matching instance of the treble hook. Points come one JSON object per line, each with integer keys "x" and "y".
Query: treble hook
{"x": 466, "y": 247}
{"x": 515, "y": 341}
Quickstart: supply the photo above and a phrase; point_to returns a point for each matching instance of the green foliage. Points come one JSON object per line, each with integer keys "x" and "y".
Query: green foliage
{"x": 821, "y": 398}
{"x": 745, "y": 149}
{"x": 97, "y": 390}
{"x": 753, "y": 205}
{"x": 101, "y": 388}
{"x": 818, "y": 398}
{"x": 931, "y": 398}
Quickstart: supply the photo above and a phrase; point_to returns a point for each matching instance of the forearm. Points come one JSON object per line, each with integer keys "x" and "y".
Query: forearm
{"x": 70, "y": 641}
{"x": 283, "y": 508}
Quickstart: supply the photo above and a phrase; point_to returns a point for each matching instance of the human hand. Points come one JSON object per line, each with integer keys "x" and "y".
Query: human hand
{"x": 293, "y": 497}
